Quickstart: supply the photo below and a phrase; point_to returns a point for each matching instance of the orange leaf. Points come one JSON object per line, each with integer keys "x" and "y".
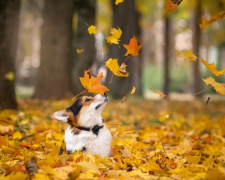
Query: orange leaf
{"x": 212, "y": 68}
{"x": 158, "y": 92}
{"x": 219, "y": 87}
{"x": 132, "y": 47}
{"x": 169, "y": 6}
{"x": 187, "y": 55}
{"x": 206, "y": 22}
{"x": 92, "y": 84}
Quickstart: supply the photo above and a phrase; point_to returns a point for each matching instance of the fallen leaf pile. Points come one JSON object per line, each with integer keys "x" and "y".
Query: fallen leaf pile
{"x": 188, "y": 143}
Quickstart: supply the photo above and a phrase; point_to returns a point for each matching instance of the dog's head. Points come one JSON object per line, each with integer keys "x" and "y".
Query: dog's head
{"x": 86, "y": 111}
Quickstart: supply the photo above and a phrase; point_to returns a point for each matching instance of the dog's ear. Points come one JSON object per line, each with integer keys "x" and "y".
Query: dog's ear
{"x": 61, "y": 116}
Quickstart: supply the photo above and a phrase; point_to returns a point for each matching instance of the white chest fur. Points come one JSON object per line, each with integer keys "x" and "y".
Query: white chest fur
{"x": 94, "y": 144}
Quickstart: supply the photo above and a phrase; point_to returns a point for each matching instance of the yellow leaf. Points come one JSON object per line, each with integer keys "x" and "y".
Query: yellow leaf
{"x": 212, "y": 68}
{"x": 92, "y": 29}
{"x": 79, "y": 51}
{"x": 15, "y": 176}
{"x": 113, "y": 66}
{"x": 6, "y": 129}
{"x": 38, "y": 176}
{"x": 158, "y": 92}
{"x": 132, "y": 48}
{"x": 163, "y": 118}
{"x": 204, "y": 22}
{"x": 118, "y": 1}
{"x": 219, "y": 87}
{"x": 114, "y": 38}
{"x": 17, "y": 135}
{"x": 133, "y": 90}
{"x": 89, "y": 166}
{"x": 9, "y": 75}
{"x": 187, "y": 55}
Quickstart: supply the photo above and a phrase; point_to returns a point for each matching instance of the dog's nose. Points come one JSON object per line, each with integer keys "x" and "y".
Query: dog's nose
{"x": 105, "y": 94}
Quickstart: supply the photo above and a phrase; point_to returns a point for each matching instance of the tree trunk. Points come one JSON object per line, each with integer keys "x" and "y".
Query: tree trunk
{"x": 167, "y": 56}
{"x": 83, "y": 40}
{"x": 196, "y": 40}
{"x": 9, "y": 20}
{"x": 53, "y": 76}
{"x": 125, "y": 16}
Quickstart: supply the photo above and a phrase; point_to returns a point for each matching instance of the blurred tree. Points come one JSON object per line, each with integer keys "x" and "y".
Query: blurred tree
{"x": 126, "y": 17}
{"x": 53, "y": 76}
{"x": 167, "y": 54}
{"x": 196, "y": 41}
{"x": 9, "y": 20}
{"x": 85, "y": 10}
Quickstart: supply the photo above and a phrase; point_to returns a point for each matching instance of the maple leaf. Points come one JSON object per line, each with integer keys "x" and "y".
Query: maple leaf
{"x": 158, "y": 92}
{"x": 9, "y": 75}
{"x": 79, "y": 51}
{"x": 123, "y": 68}
{"x": 212, "y": 68}
{"x": 219, "y": 87}
{"x": 170, "y": 6}
{"x": 92, "y": 84}
{"x": 206, "y": 22}
{"x": 118, "y": 1}
{"x": 92, "y": 29}
{"x": 133, "y": 90}
{"x": 163, "y": 118}
{"x": 187, "y": 55}
{"x": 114, "y": 38}
{"x": 132, "y": 47}
{"x": 113, "y": 66}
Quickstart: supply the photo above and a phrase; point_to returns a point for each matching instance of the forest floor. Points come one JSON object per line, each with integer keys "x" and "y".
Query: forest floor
{"x": 151, "y": 140}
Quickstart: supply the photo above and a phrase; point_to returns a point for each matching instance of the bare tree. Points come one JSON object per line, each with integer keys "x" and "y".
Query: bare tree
{"x": 53, "y": 76}
{"x": 9, "y": 20}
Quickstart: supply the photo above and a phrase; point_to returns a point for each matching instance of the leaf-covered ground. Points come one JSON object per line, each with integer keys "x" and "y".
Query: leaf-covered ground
{"x": 187, "y": 145}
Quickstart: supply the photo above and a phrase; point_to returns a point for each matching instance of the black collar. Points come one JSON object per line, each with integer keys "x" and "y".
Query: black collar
{"x": 94, "y": 129}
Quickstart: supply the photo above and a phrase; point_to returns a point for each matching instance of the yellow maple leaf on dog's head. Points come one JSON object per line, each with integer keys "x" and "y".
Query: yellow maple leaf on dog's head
{"x": 114, "y": 38}
{"x": 113, "y": 66}
{"x": 93, "y": 84}
{"x": 187, "y": 55}
{"x": 219, "y": 87}
{"x": 212, "y": 68}
{"x": 92, "y": 29}
{"x": 132, "y": 48}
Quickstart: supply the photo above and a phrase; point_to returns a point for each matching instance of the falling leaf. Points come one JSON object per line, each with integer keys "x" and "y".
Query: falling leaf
{"x": 123, "y": 68}
{"x": 219, "y": 87}
{"x": 79, "y": 51}
{"x": 113, "y": 66}
{"x": 92, "y": 84}
{"x": 133, "y": 90}
{"x": 163, "y": 118}
{"x": 170, "y": 6}
{"x": 9, "y": 75}
{"x": 212, "y": 68}
{"x": 187, "y": 55}
{"x": 158, "y": 92}
{"x": 17, "y": 135}
{"x": 114, "y": 38}
{"x": 92, "y": 30}
{"x": 206, "y": 22}
{"x": 124, "y": 98}
{"x": 118, "y": 1}
{"x": 132, "y": 48}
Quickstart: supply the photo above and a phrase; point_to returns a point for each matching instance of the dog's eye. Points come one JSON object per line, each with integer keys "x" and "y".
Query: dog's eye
{"x": 86, "y": 100}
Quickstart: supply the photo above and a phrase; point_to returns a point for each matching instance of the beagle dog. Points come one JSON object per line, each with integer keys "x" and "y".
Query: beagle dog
{"x": 86, "y": 131}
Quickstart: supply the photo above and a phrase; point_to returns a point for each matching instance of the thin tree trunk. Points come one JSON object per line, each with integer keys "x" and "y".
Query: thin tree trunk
{"x": 167, "y": 55}
{"x": 9, "y": 20}
{"x": 196, "y": 39}
{"x": 53, "y": 76}
{"x": 125, "y": 17}
{"x": 83, "y": 40}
